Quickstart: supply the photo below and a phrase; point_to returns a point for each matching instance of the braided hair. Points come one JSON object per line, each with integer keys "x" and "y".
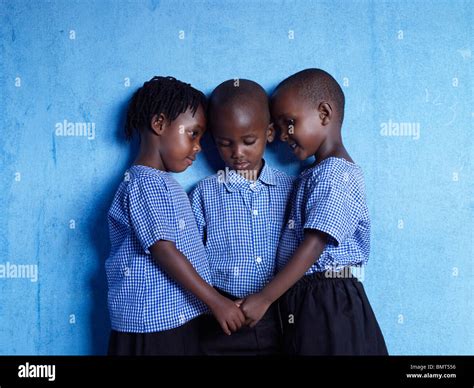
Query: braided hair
{"x": 160, "y": 95}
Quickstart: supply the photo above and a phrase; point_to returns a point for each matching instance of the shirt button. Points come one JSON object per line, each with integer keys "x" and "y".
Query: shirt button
{"x": 258, "y": 259}
{"x": 255, "y": 212}
{"x": 253, "y": 186}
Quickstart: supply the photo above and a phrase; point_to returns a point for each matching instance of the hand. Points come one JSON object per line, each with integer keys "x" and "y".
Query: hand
{"x": 254, "y": 307}
{"x": 228, "y": 314}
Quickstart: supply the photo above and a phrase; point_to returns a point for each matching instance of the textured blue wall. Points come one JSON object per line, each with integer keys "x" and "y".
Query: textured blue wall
{"x": 405, "y": 65}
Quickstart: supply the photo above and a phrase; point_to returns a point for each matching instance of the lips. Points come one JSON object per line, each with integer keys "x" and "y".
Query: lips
{"x": 190, "y": 160}
{"x": 240, "y": 165}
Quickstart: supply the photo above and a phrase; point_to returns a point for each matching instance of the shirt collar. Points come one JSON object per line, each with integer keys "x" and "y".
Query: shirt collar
{"x": 267, "y": 175}
{"x": 234, "y": 181}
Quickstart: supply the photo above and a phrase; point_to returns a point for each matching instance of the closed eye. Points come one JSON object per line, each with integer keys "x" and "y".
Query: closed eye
{"x": 194, "y": 133}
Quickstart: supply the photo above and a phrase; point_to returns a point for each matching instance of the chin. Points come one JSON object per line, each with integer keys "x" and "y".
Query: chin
{"x": 301, "y": 156}
{"x": 177, "y": 169}
{"x": 180, "y": 169}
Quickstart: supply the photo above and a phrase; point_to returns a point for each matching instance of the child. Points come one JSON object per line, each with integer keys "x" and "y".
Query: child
{"x": 240, "y": 213}
{"x": 328, "y": 230}
{"x": 157, "y": 270}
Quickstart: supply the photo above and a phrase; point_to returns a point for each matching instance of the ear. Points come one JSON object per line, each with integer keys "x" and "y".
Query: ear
{"x": 270, "y": 133}
{"x": 325, "y": 113}
{"x": 157, "y": 124}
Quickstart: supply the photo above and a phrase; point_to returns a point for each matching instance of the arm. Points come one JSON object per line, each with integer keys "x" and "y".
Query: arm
{"x": 255, "y": 306}
{"x": 178, "y": 267}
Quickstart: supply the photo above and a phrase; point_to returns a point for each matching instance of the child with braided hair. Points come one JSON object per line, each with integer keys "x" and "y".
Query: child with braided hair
{"x": 157, "y": 271}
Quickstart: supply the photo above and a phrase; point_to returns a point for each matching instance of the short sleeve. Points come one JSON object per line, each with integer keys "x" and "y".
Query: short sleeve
{"x": 332, "y": 209}
{"x": 151, "y": 212}
{"x": 197, "y": 205}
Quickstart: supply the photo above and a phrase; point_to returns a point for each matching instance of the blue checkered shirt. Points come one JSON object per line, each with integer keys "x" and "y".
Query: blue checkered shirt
{"x": 150, "y": 206}
{"x": 241, "y": 222}
{"x": 329, "y": 197}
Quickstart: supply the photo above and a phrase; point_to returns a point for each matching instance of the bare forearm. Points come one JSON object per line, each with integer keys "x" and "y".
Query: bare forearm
{"x": 178, "y": 267}
{"x": 303, "y": 258}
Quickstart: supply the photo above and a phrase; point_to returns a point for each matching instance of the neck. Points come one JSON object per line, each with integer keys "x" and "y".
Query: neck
{"x": 149, "y": 156}
{"x": 332, "y": 147}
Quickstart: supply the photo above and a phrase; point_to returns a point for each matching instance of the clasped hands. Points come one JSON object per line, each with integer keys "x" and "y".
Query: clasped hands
{"x": 232, "y": 315}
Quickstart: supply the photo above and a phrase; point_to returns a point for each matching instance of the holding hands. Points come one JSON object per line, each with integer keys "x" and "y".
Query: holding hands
{"x": 233, "y": 315}
{"x": 254, "y": 308}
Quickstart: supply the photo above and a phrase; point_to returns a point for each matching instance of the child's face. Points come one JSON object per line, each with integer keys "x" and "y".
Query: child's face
{"x": 299, "y": 123}
{"x": 241, "y": 136}
{"x": 180, "y": 139}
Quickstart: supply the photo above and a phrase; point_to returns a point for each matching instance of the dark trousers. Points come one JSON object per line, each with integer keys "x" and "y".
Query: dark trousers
{"x": 181, "y": 341}
{"x": 329, "y": 316}
{"x": 263, "y": 339}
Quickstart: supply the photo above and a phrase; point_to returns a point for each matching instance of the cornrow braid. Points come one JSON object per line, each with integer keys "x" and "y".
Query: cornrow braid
{"x": 160, "y": 95}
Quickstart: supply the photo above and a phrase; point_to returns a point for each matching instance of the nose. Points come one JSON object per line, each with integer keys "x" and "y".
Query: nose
{"x": 236, "y": 152}
{"x": 197, "y": 146}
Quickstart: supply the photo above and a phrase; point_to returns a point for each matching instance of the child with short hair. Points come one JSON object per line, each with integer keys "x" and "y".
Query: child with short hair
{"x": 157, "y": 271}
{"x": 328, "y": 230}
{"x": 240, "y": 213}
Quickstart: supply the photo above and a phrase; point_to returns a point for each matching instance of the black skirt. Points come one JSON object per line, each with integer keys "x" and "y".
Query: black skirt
{"x": 329, "y": 316}
{"x": 181, "y": 341}
{"x": 263, "y": 339}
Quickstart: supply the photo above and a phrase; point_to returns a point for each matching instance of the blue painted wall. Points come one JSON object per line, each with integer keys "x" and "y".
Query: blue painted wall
{"x": 401, "y": 63}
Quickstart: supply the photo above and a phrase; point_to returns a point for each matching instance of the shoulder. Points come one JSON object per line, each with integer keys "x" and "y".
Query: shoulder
{"x": 337, "y": 172}
{"x": 208, "y": 183}
{"x": 282, "y": 177}
{"x": 282, "y": 181}
{"x": 205, "y": 188}
{"x": 142, "y": 178}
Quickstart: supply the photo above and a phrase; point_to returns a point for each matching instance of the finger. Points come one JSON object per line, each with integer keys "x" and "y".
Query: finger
{"x": 240, "y": 316}
{"x": 238, "y": 323}
{"x": 248, "y": 321}
{"x": 231, "y": 326}
{"x": 253, "y": 324}
{"x": 240, "y": 320}
{"x": 238, "y": 302}
{"x": 224, "y": 327}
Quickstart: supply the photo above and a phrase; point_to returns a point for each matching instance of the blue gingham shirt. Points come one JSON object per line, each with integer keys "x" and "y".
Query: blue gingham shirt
{"x": 329, "y": 197}
{"x": 150, "y": 206}
{"x": 241, "y": 222}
